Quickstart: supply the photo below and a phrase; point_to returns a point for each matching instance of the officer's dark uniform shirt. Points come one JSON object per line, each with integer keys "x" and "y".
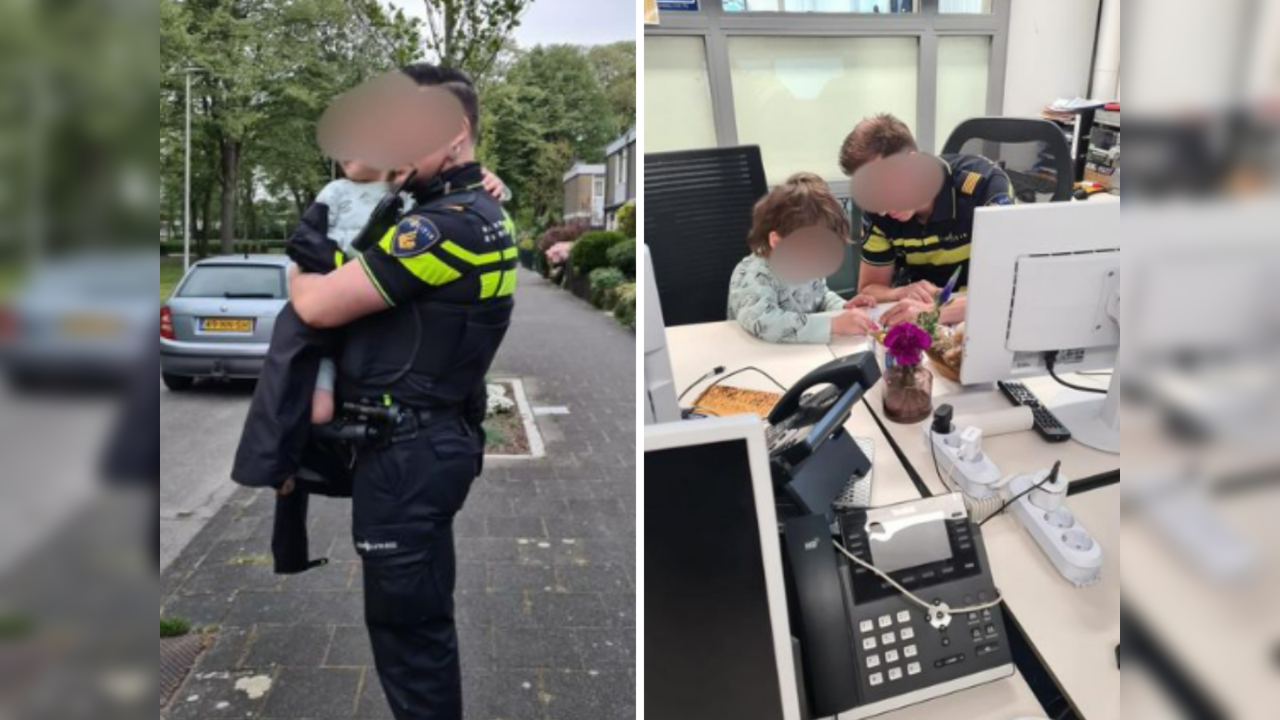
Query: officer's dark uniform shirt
{"x": 934, "y": 249}
{"x": 447, "y": 273}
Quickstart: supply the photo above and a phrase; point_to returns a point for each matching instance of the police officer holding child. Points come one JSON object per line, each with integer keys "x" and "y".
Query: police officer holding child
{"x": 423, "y": 313}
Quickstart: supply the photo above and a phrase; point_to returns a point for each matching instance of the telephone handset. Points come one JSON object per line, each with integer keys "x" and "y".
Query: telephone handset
{"x": 811, "y": 455}
{"x": 866, "y": 646}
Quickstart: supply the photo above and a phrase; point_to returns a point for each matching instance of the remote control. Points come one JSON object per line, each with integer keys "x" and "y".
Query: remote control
{"x": 1046, "y": 424}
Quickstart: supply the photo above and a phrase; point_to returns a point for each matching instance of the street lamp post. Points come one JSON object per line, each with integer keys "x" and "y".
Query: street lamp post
{"x": 186, "y": 214}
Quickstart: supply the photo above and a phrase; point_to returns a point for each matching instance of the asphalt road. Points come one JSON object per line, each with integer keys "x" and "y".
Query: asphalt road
{"x": 199, "y": 431}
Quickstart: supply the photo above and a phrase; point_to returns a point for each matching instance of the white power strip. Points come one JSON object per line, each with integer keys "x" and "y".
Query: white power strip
{"x": 963, "y": 463}
{"x": 1067, "y": 544}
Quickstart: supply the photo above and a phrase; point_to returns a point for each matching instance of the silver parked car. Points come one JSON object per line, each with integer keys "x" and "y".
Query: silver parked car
{"x": 219, "y": 321}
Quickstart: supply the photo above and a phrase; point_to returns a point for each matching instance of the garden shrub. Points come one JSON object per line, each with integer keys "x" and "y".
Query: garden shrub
{"x": 627, "y": 219}
{"x": 603, "y": 283}
{"x": 623, "y": 257}
{"x": 591, "y": 251}
{"x": 625, "y": 309}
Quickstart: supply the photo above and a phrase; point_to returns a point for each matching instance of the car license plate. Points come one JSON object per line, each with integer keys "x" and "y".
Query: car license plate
{"x": 90, "y": 326}
{"x": 226, "y": 325}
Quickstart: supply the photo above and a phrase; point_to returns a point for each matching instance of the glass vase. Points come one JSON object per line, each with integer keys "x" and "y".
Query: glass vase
{"x": 908, "y": 393}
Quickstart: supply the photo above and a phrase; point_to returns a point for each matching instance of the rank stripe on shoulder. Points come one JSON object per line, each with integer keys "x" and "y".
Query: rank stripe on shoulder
{"x": 970, "y": 183}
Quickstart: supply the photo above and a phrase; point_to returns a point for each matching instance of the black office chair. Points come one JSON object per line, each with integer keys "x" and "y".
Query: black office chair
{"x": 1034, "y": 152}
{"x": 697, "y": 215}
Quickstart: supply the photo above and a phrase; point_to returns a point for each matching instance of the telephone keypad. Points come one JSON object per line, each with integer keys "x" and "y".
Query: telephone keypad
{"x": 891, "y": 656}
{"x": 904, "y": 617}
{"x": 907, "y": 634}
{"x": 909, "y": 651}
{"x": 913, "y": 668}
{"x": 886, "y": 621}
{"x": 876, "y": 679}
{"x": 869, "y": 643}
{"x": 887, "y": 639}
{"x": 895, "y": 673}
{"x": 867, "y": 626}
{"x": 873, "y": 661}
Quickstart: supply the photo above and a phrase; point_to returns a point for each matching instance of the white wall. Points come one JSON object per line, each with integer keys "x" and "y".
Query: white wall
{"x": 1050, "y": 53}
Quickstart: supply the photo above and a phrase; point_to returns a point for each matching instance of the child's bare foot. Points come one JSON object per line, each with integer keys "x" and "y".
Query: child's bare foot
{"x": 321, "y": 407}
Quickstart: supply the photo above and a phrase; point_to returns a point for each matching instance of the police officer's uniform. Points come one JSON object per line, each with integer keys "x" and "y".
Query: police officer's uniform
{"x": 934, "y": 249}
{"x": 447, "y": 273}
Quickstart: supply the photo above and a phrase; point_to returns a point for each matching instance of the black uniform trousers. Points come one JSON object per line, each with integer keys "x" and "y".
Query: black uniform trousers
{"x": 405, "y": 498}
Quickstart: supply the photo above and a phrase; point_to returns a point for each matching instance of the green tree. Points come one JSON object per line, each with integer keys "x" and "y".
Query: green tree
{"x": 615, "y": 68}
{"x": 470, "y": 34}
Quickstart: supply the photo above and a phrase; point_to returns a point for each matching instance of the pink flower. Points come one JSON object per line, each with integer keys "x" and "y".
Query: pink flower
{"x": 906, "y": 343}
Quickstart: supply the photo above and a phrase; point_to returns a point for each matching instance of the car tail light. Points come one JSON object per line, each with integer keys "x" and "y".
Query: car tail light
{"x": 8, "y": 323}
{"x": 166, "y": 324}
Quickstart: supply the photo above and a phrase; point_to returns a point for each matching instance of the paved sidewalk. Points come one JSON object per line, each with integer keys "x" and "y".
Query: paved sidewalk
{"x": 546, "y": 574}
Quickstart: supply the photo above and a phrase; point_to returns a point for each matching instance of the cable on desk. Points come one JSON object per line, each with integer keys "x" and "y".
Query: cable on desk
{"x": 1050, "y": 359}
{"x": 698, "y": 382}
{"x": 717, "y": 371}
{"x": 1053, "y": 475}
{"x": 910, "y": 595}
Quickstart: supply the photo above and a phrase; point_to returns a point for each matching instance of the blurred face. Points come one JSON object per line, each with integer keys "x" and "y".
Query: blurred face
{"x": 359, "y": 172}
{"x": 902, "y": 186}
{"x": 809, "y": 253}
{"x": 458, "y": 151}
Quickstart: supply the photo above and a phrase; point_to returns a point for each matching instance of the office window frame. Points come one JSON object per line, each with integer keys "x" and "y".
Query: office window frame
{"x": 715, "y": 27}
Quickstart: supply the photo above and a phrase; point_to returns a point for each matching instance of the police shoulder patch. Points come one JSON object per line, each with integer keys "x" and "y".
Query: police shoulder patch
{"x": 970, "y": 184}
{"x": 414, "y": 236}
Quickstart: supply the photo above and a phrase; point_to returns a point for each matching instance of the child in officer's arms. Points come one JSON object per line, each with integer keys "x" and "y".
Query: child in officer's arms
{"x": 779, "y": 292}
{"x": 350, "y": 201}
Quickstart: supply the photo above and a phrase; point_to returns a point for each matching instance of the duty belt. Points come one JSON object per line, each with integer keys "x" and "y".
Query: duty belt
{"x": 372, "y": 424}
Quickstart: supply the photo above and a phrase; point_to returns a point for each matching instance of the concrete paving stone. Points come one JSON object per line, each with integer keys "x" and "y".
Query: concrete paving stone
{"x": 536, "y": 648}
{"x": 467, "y": 526}
{"x": 314, "y": 693}
{"x": 513, "y": 577}
{"x": 210, "y": 609}
{"x": 372, "y": 703}
{"x": 472, "y": 576}
{"x": 220, "y": 578}
{"x": 350, "y": 647}
{"x": 288, "y": 645}
{"x": 281, "y": 608}
{"x": 502, "y": 695}
{"x": 606, "y": 649}
{"x": 337, "y": 575}
{"x": 489, "y": 609}
{"x": 594, "y": 578}
{"x": 337, "y": 608}
{"x": 517, "y": 526}
{"x": 228, "y": 649}
{"x": 488, "y": 549}
{"x": 589, "y": 696}
{"x": 622, "y": 609}
{"x": 213, "y": 696}
{"x": 570, "y": 610}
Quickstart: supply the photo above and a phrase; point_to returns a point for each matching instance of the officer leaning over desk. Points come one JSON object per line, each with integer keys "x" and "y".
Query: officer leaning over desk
{"x": 424, "y": 313}
{"x": 911, "y": 245}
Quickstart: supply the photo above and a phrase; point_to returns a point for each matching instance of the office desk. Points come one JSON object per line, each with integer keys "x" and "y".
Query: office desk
{"x": 1074, "y": 631}
{"x": 696, "y": 349}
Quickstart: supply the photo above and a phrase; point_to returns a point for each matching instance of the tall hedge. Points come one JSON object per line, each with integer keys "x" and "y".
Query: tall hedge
{"x": 591, "y": 251}
{"x": 623, "y": 257}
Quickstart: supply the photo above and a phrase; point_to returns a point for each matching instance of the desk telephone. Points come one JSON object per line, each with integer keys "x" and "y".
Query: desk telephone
{"x": 811, "y": 456}
{"x": 929, "y": 626}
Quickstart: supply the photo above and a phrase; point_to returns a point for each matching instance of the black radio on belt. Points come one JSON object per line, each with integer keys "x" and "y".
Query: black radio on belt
{"x": 866, "y": 647}
{"x": 366, "y": 423}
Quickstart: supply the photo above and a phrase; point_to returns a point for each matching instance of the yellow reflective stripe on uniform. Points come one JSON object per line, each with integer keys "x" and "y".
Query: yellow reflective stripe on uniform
{"x": 876, "y": 242}
{"x": 469, "y": 257}
{"x": 508, "y": 286}
{"x": 907, "y": 243}
{"x": 489, "y": 285}
{"x": 385, "y": 297}
{"x": 970, "y": 183}
{"x": 430, "y": 269}
{"x": 338, "y": 258}
{"x": 510, "y": 253}
{"x": 939, "y": 257}
{"x": 385, "y": 242}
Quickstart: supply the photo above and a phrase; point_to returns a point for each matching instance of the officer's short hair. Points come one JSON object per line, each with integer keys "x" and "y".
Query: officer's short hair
{"x": 875, "y": 137}
{"x": 453, "y": 80}
{"x": 802, "y": 201}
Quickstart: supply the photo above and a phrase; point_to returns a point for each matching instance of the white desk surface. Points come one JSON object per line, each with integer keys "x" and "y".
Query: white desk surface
{"x": 696, "y": 349}
{"x": 1075, "y": 631}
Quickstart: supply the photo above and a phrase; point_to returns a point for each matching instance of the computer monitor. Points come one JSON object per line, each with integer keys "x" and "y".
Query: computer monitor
{"x": 1044, "y": 282}
{"x": 660, "y": 404}
{"x": 717, "y": 637}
